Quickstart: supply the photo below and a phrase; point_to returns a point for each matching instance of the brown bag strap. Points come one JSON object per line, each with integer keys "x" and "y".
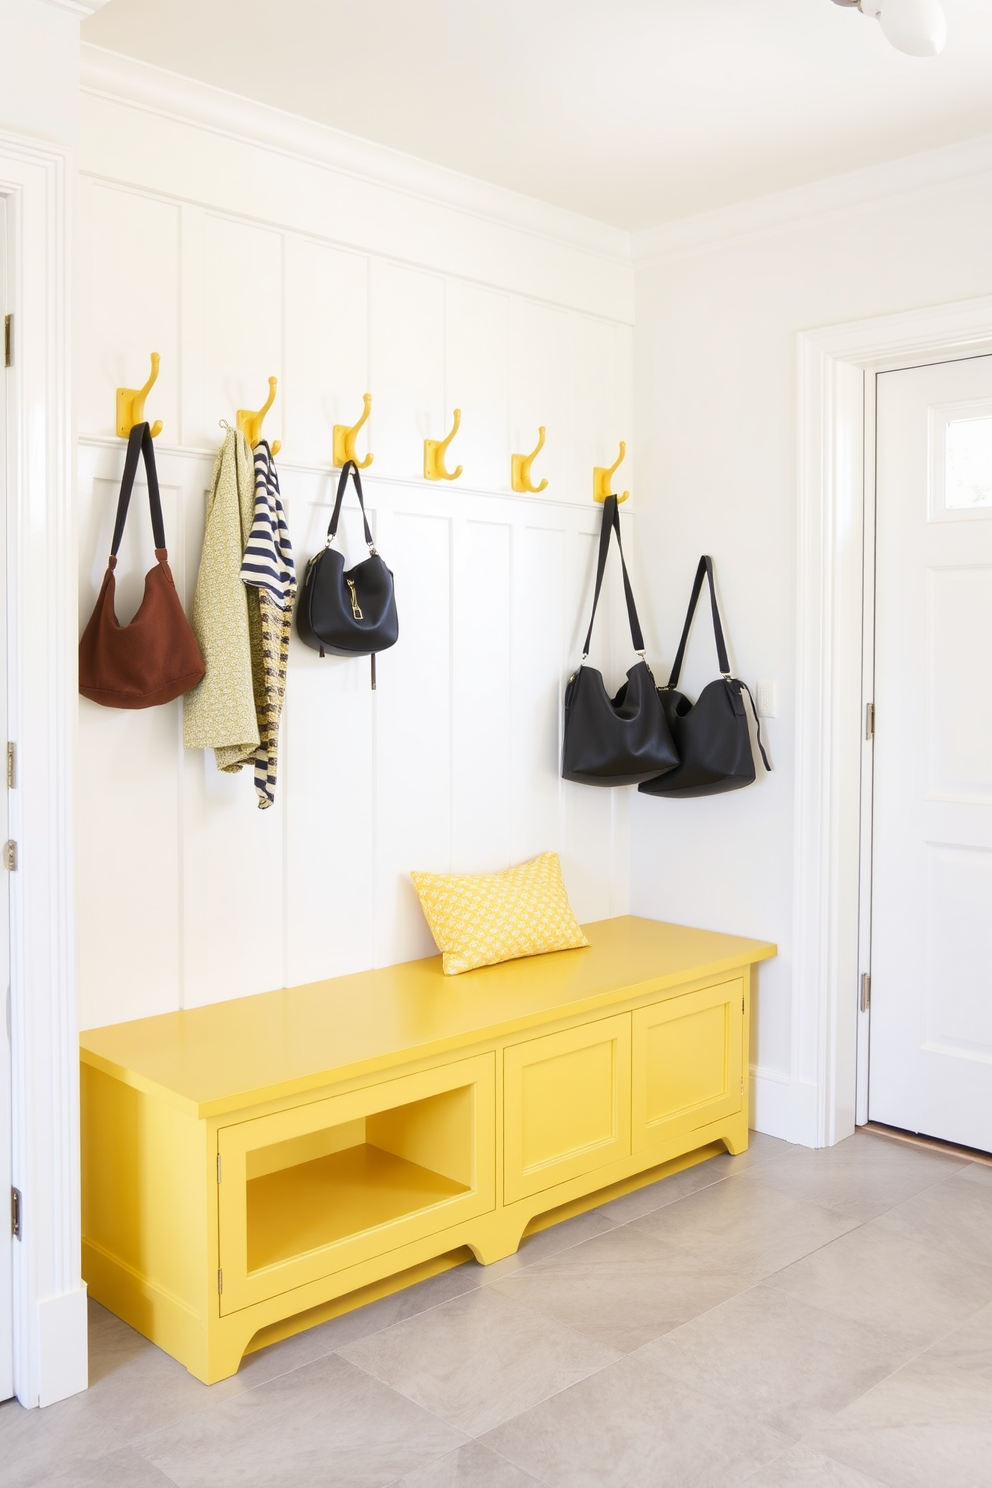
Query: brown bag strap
{"x": 139, "y": 442}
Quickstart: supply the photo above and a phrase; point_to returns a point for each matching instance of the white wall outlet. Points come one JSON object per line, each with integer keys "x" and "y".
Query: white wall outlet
{"x": 766, "y": 699}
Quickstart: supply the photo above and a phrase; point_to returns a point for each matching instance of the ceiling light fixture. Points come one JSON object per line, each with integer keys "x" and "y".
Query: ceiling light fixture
{"x": 917, "y": 27}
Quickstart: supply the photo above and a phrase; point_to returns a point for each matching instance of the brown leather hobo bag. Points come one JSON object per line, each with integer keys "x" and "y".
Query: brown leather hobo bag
{"x": 155, "y": 658}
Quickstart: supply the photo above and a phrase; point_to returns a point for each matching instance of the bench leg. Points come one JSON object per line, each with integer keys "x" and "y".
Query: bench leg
{"x": 496, "y": 1240}
{"x": 735, "y": 1138}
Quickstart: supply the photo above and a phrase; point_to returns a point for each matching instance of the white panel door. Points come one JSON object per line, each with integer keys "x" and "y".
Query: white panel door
{"x": 931, "y": 1003}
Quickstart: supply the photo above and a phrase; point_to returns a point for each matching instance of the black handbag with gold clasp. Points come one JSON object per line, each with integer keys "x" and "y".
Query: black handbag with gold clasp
{"x": 348, "y": 612}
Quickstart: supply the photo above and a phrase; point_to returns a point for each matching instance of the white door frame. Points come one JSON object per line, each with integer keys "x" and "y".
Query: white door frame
{"x": 49, "y": 1298}
{"x": 837, "y": 368}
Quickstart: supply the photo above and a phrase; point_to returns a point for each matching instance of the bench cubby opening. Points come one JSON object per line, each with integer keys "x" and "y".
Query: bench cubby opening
{"x": 325, "y": 1186}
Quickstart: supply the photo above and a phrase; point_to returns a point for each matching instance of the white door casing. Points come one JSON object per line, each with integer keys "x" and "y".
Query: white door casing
{"x": 836, "y": 376}
{"x": 931, "y": 970}
{"x": 49, "y": 1299}
{"x": 6, "y": 1234}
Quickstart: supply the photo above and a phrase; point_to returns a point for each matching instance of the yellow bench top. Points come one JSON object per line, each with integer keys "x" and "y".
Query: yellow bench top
{"x": 231, "y": 1055}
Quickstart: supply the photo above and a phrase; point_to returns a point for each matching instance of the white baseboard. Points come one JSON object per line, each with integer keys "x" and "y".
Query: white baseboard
{"x": 782, "y": 1107}
{"x": 63, "y": 1364}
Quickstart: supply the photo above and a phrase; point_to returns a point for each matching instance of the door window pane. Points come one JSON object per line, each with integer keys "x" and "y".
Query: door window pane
{"x": 968, "y": 464}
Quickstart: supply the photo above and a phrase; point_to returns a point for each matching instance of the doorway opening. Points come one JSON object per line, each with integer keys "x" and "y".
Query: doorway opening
{"x": 925, "y": 1035}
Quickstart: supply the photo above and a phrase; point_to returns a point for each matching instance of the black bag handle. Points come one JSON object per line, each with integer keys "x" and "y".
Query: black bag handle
{"x": 349, "y": 468}
{"x": 704, "y": 571}
{"x": 139, "y": 442}
{"x": 611, "y": 524}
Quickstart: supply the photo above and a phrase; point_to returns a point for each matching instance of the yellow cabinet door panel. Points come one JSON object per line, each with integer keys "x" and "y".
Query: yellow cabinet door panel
{"x": 687, "y": 1066}
{"x": 566, "y": 1105}
{"x": 311, "y": 1190}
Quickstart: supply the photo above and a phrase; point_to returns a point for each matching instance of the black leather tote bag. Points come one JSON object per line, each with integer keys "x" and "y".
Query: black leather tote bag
{"x": 348, "y": 612}
{"x": 620, "y": 740}
{"x": 711, "y": 734}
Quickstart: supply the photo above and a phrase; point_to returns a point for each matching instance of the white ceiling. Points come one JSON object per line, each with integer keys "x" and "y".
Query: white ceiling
{"x": 634, "y": 112}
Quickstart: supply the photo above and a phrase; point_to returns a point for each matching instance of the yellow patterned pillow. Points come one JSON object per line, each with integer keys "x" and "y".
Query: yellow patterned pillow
{"x": 479, "y": 919}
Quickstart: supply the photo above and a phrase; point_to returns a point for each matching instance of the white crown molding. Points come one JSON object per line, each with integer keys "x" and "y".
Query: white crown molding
{"x": 836, "y": 196}
{"x": 122, "y": 79}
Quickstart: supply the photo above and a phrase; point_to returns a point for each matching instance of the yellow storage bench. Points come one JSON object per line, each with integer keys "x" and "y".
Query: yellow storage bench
{"x": 254, "y": 1166}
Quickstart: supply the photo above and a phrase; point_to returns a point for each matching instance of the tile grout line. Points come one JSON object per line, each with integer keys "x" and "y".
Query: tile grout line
{"x": 543, "y": 1317}
{"x": 613, "y": 1225}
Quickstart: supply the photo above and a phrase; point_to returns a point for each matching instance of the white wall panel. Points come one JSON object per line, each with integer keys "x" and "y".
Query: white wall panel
{"x": 413, "y": 715}
{"x": 127, "y": 842}
{"x": 539, "y": 387}
{"x": 327, "y": 777}
{"x": 453, "y": 762}
{"x": 129, "y": 267}
{"x": 406, "y": 337}
{"x": 242, "y": 322}
{"x": 587, "y": 823}
{"x": 141, "y": 125}
{"x": 593, "y": 405}
{"x": 539, "y": 660}
{"x": 477, "y": 358}
{"x": 327, "y": 347}
{"x": 232, "y": 884}
{"x": 482, "y": 697}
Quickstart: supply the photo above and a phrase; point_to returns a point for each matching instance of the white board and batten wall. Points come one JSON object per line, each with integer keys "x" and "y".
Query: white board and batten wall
{"x": 239, "y": 244}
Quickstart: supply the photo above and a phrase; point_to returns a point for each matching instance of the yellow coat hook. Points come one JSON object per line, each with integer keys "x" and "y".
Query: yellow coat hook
{"x": 131, "y": 404}
{"x": 435, "y": 451}
{"x": 344, "y": 440}
{"x": 250, "y": 421}
{"x": 602, "y": 478}
{"x": 520, "y": 467}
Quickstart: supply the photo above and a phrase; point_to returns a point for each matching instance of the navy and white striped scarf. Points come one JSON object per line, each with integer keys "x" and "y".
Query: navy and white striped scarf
{"x": 268, "y": 557}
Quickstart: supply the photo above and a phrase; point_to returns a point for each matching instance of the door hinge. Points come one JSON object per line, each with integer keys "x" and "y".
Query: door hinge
{"x": 218, "y": 1167}
{"x": 15, "y": 1213}
{"x": 220, "y": 1281}
{"x": 10, "y": 856}
{"x": 11, "y": 766}
{"x": 869, "y": 720}
{"x": 8, "y": 340}
{"x": 865, "y": 1000}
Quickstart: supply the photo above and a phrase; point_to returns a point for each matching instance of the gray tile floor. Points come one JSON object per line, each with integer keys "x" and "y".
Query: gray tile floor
{"x": 784, "y": 1319}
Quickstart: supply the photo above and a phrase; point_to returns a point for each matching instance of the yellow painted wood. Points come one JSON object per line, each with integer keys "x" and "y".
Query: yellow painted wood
{"x": 231, "y": 1055}
{"x": 423, "y": 1160}
{"x": 566, "y": 1105}
{"x": 344, "y": 440}
{"x": 602, "y": 478}
{"x": 124, "y": 1141}
{"x": 250, "y": 420}
{"x": 687, "y": 1067}
{"x": 520, "y": 467}
{"x": 398, "y": 1281}
{"x": 365, "y": 1126}
{"x": 435, "y": 451}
